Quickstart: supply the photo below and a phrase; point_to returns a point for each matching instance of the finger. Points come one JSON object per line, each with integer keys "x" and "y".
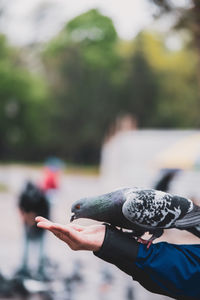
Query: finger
{"x": 55, "y": 229}
{"x": 67, "y": 230}
{"x": 41, "y": 219}
{"x": 74, "y": 226}
{"x": 64, "y": 235}
{"x": 45, "y": 224}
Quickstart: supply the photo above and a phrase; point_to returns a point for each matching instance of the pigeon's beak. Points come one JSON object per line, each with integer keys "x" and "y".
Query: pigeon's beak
{"x": 73, "y": 217}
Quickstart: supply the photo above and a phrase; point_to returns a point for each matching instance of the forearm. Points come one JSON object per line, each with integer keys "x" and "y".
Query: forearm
{"x": 167, "y": 269}
{"x": 121, "y": 250}
{"x": 164, "y": 268}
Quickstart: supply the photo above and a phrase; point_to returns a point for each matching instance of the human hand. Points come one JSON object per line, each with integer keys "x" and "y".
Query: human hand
{"x": 75, "y": 236}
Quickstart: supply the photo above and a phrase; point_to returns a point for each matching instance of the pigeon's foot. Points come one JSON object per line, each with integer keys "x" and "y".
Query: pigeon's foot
{"x": 142, "y": 241}
{"x": 145, "y": 242}
{"x": 149, "y": 244}
{"x": 156, "y": 234}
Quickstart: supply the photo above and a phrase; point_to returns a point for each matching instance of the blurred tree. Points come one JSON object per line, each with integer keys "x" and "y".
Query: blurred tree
{"x": 160, "y": 86}
{"x": 82, "y": 67}
{"x": 140, "y": 91}
{"x": 21, "y": 98}
{"x": 93, "y": 79}
{"x": 187, "y": 15}
{"x": 174, "y": 73}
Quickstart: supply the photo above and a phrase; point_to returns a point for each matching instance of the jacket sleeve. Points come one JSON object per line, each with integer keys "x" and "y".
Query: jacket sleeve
{"x": 171, "y": 270}
{"x": 119, "y": 249}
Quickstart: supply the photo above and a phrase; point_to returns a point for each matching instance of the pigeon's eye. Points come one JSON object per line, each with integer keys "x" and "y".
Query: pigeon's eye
{"x": 78, "y": 206}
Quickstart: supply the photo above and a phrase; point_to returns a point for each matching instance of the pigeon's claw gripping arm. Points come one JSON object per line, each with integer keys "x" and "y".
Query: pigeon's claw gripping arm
{"x": 156, "y": 234}
{"x": 145, "y": 242}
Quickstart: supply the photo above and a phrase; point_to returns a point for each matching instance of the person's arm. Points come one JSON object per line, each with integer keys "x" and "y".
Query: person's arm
{"x": 119, "y": 249}
{"x": 122, "y": 250}
{"x": 106, "y": 242}
{"x": 166, "y": 269}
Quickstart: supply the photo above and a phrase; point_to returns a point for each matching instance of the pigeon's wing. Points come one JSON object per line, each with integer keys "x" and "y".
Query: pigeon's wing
{"x": 191, "y": 219}
{"x": 155, "y": 209}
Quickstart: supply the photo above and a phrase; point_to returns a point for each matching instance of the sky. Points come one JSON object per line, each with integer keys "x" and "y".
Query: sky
{"x": 129, "y": 17}
{"x": 20, "y": 25}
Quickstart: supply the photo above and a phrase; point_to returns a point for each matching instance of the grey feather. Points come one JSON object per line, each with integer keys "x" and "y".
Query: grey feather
{"x": 191, "y": 219}
{"x": 157, "y": 209}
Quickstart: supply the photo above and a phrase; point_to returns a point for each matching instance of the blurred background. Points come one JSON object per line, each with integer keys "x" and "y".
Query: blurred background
{"x": 94, "y": 95}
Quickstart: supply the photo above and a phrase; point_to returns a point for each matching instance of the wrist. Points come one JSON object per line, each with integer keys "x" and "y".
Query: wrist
{"x": 117, "y": 246}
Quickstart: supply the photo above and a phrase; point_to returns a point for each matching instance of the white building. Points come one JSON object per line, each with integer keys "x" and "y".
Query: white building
{"x": 130, "y": 158}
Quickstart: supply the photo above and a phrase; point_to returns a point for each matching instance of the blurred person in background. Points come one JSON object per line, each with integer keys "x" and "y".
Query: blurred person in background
{"x": 51, "y": 176}
{"x": 32, "y": 201}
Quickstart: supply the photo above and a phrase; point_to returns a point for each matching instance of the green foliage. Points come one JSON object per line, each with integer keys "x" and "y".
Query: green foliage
{"x": 84, "y": 83}
{"x": 97, "y": 35}
{"x": 140, "y": 87}
{"x": 92, "y": 78}
{"x": 21, "y": 95}
{"x": 95, "y": 77}
{"x": 171, "y": 83}
{"x": 187, "y": 19}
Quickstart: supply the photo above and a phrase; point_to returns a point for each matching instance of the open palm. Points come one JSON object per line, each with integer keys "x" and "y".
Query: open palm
{"x": 75, "y": 236}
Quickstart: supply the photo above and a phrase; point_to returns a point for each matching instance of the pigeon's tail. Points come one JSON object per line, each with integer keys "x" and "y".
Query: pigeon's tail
{"x": 191, "y": 219}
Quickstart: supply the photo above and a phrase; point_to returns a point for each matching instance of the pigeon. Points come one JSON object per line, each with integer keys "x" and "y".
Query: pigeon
{"x": 141, "y": 211}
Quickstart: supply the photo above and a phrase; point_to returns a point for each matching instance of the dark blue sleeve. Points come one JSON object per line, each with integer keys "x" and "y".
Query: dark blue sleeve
{"x": 167, "y": 269}
{"x": 174, "y": 268}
